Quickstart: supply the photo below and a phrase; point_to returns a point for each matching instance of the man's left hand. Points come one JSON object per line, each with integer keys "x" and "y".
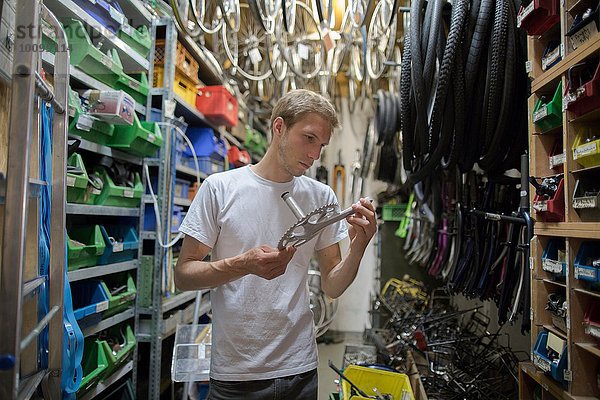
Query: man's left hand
{"x": 363, "y": 223}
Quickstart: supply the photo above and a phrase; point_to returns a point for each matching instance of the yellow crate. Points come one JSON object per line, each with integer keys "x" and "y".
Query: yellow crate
{"x": 183, "y": 86}
{"x": 184, "y": 62}
{"x": 386, "y": 382}
{"x": 586, "y": 153}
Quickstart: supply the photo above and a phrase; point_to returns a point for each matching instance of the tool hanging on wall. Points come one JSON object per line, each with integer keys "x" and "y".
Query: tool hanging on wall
{"x": 339, "y": 175}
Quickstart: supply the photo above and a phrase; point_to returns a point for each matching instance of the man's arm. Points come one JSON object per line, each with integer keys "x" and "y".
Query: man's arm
{"x": 338, "y": 273}
{"x": 191, "y": 273}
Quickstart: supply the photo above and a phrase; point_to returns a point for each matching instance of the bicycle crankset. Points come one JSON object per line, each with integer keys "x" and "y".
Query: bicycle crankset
{"x": 309, "y": 225}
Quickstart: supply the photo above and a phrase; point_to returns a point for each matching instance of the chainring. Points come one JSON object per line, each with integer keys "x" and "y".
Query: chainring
{"x": 300, "y": 233}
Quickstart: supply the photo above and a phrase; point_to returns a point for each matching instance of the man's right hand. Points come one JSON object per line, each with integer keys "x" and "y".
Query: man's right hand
{"x": 267, "y": 262}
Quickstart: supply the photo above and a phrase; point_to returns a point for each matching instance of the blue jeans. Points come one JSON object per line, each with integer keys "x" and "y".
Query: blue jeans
{"x": 296, "y": 387}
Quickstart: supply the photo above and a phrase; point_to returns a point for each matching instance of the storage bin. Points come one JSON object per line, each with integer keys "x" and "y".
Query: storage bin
{"x": 218, "y": 105}
{"x": 138, "y": 39}
{"x": 77, "y": 179}
{"x": 553, "y": 367}
{"x": 191, "y": 354}
{"x": 586, "y": 149}
{"x": 118, "y": 302}
{"x": 584, "y": 262}
{"x": 394, "y": 383}
{"x": 185, "y": 64}
{"x": 586, "y": 199}
{"x": 89, "y": 298}
{"x": 255, "y": 142}
{"x": 181, "y": 188}
{"x": 554, "y": 257}
{"x": 119, "y": 196}
{"x": 121, "y": 242}
{"x": 393, "y": 212}
{"x": 584, "y": 98}
{"x": 86, "y": 126}
{"x": 206, "y": 165}
{"x": 238, "y": 158}
{"x": 552, "y": 210}
{"x": 549, "y": 116}
{"x": 136, "y": 85}
{"x": 142, "y": 138}
{"x": 106, "y": 68}
{"x": 585, "y": 31}
{"x": 205, "y": 143}
{"x": 557, "y": 157}
{"x": 107, "y": 12}
{"x": 85, "y": 245}
{"x": 122, "y": 334}
{"x": 176, "y": 218}
{"x": 94, "y": 366}
{"x": 182, "y": 85}
{"x": 538, "y": 16}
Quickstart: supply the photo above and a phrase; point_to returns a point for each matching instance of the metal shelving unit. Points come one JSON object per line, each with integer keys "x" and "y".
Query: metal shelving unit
{"x": 108, "y": 322}
{"x": 84, "y": 209}
{"x": 106, "y": 383}
{"x": 107, "y": 151}
{"x": 101, "y": 270}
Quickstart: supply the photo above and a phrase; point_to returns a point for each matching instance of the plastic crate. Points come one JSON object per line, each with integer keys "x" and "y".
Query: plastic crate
{"x": 393, "y": 212}
{"x": 238, "y": 158}
{"x": 135, "y": 85}
{"x": 584, "y": 268}
{"x": 86, "y": 126}
{"x": 557, "y": 157}
{"x": 538, "y": 16}
{"x": 586, "y": 152}
{"x": 121, "y": 242}
{"x": 106, "y": 68}
{"x": 85, "y": 245}
{"x": 218, "y": 105}
{"x": 584, "y": 31}
{"x": 586, "y": 199}
{"x": 185, "y": 64}
{"x": 119, "y": 196}
{"x": 77, "y": 182}
{"x": 181, "y": 188}
{"x": 552, "y": 210}
{"x": 49, "y": 42}
{"x": 207, "y": 165}
{"x": 182, "y": 85}
{"x": 553, "y": 367}
{"x": 94, "y": 366}
{"x": 107, "y": 12}
{"x": 124, "y": 299}
{"x": 138, "y": 39}
{"x": 591, "y": 320}
{"x": 142, "y": 138}
{"x": 120, "y": 333}
{"x": 549, "y": 116}
{"x": 176, "y": 218}
{"x": 550, "y": 258}
{"x": 205, "y": 143}
{"x": 394, "y": 383}
{"x": 191, "y": 353}
{"x": 89, "y": 298}
{"x": 586, "y": 97}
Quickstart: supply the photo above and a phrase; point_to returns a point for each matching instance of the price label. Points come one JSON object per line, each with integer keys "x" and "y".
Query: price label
{"x": 84, "y": 122}
{"x": 102, "y": 306}
{"x": 540, "y": 206}
{"x": 551, "y": 58}
{"x": 528, "y": 67}
{"x": 128, "y": 193}
{"x": 557, "y": 160}
{"x": 117, "y": 247}
{"x": 584, "y": 273}
{"x": 528, "y": 10}
{"x": 541, "y": 113}
{"x": 255, "y": 56}
{"x": 170, "y": 108}
{"x": 585, "y": 202}
{"x": 303, "y": 51}
{"x": 584, "y": 34}
{"x": 568, "y": 375}
{"x": 585, "y": 150}
{"x": 71, "y": 180}
{"x": 552, "y": 266}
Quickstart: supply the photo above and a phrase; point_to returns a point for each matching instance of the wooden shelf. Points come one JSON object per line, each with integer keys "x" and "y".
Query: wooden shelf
{"x": 547, "y": 383}
{"x": 550, "y": 281}
{"x": 585, "y": 230}
{"x": 588, "y": 292}
{"x": 556, "y": 331}
{"x": 584, "y": 170}
{"x": 590, "y": 347}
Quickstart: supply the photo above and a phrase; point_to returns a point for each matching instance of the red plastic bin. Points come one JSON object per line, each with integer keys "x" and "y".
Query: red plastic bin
{"x": 539, "y": 16}
{"x": 218, "y": 105}
{"x": 552, "y": 210}
{"x": 238, "y": 157}
{"x": 587, "y": 95}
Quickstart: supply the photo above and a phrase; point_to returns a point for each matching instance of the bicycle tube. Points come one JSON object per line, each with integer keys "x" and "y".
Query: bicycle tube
{"x": 405, "y": 105}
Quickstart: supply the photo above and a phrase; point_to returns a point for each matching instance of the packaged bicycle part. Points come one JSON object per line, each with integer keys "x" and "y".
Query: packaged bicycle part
{"x": 112, "y": 106}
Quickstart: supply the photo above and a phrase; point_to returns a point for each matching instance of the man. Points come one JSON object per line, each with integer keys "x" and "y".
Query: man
{"x": 263, "y": 338}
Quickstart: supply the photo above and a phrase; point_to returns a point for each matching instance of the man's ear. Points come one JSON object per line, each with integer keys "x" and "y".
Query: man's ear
{"x": 278, "y": 126}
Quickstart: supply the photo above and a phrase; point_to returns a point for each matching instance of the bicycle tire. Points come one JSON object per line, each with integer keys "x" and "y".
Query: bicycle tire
{"x": 231, "y": 16}
{"x": 288, "y": 8}
{"x": 181, "y": 22}
{"x": 405, "y": 104}
{"x": 266, "y": 21}
{"x": 325, "y": 20}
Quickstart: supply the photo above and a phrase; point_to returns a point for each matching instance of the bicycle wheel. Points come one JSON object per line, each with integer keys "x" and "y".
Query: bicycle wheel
{"x": 304, "y": 50}
{"x": 247, "y": 48}
{"x": 289, "y": 15}
{"x": 184, "y": 17}
{"x": 359, "y": 10}
{"x": 323, "y": 9}
{"x": 262, "y": 15}
{"x": 200, "y": 10}
{"x": 231, "y": 13}
{"x": 276, "y": 61}
{"x": 380, "y": 41}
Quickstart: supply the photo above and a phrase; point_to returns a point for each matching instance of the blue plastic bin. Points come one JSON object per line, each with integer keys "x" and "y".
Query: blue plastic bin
{"x": 107, "y": 12}
{"x": 88, "y": 298}
{"x": 149, "y": 218}
{"x": 206, "y": 144}
{"x": 182, "y": 188}
{"x": 550, "y": 261}
{"x": 583, "y": 269}
{"x": 124, "y": 249}
{"x": 207, "y": 165}
{"x": 176, "y": 218}
{"x": 555, "y": 368}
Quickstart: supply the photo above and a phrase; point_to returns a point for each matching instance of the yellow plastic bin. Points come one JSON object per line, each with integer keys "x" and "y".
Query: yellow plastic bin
{"x": 586, "y": 152}
{"x": 386, "y": 382}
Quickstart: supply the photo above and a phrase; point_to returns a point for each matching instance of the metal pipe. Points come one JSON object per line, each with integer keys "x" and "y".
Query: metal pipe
{"x": 499, "y": 217}
{"x": 39, "y": 328}
{"x": 289, "y": 200}
{"x": 47, "y": 94}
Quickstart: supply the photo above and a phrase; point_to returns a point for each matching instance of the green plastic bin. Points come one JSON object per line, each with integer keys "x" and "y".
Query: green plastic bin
{"x": 77, "y": 180}
{"x": 136, "y": 85}
{"x": 138, "y": 39}
{"x": 116, "y": 359}
{"x": 549, "y": 116}
{"x": 85, "y": 245}
{"x": 86, "y": 126}
{"x": 123, "y": 300}
{"x": 141, "y": 138}
{"x": 107, "y": 68}
{"x": 49, "y": 42}
{"x": 393, "y": 212}
{"x": 119, "y": 196}
{"x": 95, "y": 363}
{"x": 145, "y": 289}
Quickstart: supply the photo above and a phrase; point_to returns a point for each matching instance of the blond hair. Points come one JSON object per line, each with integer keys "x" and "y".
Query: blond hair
{"x": 294, "y": 105}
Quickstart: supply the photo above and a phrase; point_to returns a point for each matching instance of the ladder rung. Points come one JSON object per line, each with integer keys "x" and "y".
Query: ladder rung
{"x": 39, "y": 328}
{"x": 30, "y": 286}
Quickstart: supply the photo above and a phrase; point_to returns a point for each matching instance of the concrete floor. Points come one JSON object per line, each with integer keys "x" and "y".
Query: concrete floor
{"x": 335, "y": 353}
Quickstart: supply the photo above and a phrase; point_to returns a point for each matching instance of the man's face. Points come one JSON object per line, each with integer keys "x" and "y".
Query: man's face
{"x": 301, "y": 144}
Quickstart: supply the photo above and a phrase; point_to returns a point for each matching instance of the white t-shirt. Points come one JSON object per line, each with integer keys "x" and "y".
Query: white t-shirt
{"x": 262, "y": 329}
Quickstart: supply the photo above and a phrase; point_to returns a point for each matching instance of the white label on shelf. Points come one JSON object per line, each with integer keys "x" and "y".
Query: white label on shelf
{"x": 528, "y": 67}
{"x": 531, "y": 263}
{"x": 552, "y": 266}
{"x": 540, "y": 206}
{"x": 557, "y": 160}
{"x": 127, "y": 29}
{"x": 255, "y": 56}
{"x": 117, "y": 247}
{"x": 128, "y": 193}
{"x": 133, "y": 84}
{"x": 584, "y": 34}
{"x": 116, "y": 15}
{"x": 550, "y": 58}
{"x": 70, "y": 180}
{"x": 585, "y": 149}
{"x": 103, "y": 306}
{"x": 96, "y": 191}
{"x": 84, "y": 122}
{"x": 585, "y": 273}
{"x": 585, "y": 202}
{"x": 151, "y": 137}
{"x": 568, "y": 375}
{"x": 303, "y": 51}
{"x": 528, "y": 10}
{"x": 541, "y": 113}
